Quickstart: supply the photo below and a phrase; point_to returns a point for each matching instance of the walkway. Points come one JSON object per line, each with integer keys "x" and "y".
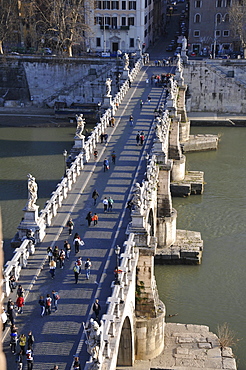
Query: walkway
{"x": 60, "y": 336}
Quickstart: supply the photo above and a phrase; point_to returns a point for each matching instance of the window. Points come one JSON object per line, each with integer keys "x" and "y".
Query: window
{"x": 198, "y": 4}
{"x": 196, "y": 33}
{"x": 217, "y": 33}
{"x": 131, "y": 43}
{"x": 98, "y": 4}
{"x": 114, "y": 4}
{"x": 228, "y": 3}
{"x": 114, "y": 22}
{"x": 123, "y": 21}
{"x": 145, "y": 33}
{"x": 123, "y": 5}
{"x": 132, "y": 5}
{"x": 146, "y": 3}
{"x": 226, "y": 33}
{"x": 145, "y": 19}
{"x": 98, "y": 41}
{"x": 226, "y": 18}
{"x": 218, "y": 18}
{"x": 197, "y": 18}
{"x": 106, "y": 4}
{"x": 219, "y": 3}
{"x": 131, "y": 21}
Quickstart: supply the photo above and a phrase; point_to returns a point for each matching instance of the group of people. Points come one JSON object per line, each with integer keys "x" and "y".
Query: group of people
{"x": 140, "y": 138}
{"x": 48, "y": 303}
{"x": 25, "y": 347}
{"x": 160, "y": 80}
{"x": 77, "y": 269}
{"x": 107, "y": 204}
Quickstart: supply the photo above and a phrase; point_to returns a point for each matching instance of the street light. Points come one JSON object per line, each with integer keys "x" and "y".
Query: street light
{"x": 65, "y": 161}
{"x": 117, "y": 253}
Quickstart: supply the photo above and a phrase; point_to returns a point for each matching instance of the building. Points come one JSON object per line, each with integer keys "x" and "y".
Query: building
{"x": 210, "y": 31}
{"x": 126, "y": 25}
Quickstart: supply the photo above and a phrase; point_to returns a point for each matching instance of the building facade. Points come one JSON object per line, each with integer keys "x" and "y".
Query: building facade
{"x": 125, "y": 25}
{"x": 210, "y": 30}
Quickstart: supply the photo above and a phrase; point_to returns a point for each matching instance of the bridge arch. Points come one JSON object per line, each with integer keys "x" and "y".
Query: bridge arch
{"x": 125, "y": 351}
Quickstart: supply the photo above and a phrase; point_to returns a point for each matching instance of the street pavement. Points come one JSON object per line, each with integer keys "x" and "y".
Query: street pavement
{"x": 60, "y": 336}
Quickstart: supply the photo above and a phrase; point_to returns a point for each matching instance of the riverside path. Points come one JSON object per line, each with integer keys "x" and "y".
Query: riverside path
{"x": 60, "y": 336}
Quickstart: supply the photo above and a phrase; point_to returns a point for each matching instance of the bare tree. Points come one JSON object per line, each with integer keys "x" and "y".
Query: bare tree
{"x": 8, "y": 22}
{"x": 61, "y": 24}
{"x": 237, "y": 15}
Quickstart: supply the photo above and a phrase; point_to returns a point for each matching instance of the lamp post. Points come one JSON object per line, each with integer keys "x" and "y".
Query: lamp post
{"x": 65, "y": 162}
{"x": 117, "y": 253}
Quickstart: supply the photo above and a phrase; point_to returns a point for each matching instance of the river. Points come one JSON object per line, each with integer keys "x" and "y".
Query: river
{"x": 209, "y": 294}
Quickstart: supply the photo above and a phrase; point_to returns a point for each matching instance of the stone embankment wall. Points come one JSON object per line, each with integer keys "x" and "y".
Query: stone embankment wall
{"x": 45, "y": 80}
{"x": 216, "y": 86}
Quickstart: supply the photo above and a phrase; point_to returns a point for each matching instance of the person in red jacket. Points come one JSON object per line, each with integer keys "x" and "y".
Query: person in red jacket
{"x": 20, "y": 303}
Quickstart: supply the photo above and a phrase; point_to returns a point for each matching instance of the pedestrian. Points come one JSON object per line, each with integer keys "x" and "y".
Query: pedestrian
{"x": 77, "y": 243}
{"x": 105, "y": 138}
{"x": 55, "y": 297}
{"x": 42, "y": 305}
{"x": 95, "y": 154}
{"x": 30, "y": 340}
{"x": 95, "y": 219}
{"x": 141, "y": 104}
{"x": 112, "y": 121}
{"x": 55, "y": 367}
{"x": 20, "y": 291}
{"x": 48, "y": 302}
{"x": 50, "y": 254}
{"x": 20, "y": 303}
{"x": 29, "y": 358}
{"x": 131, "y": 120}
{"x": 4, "y": 319}
{"x": 105, "y": 204}
{"x": 87, "y": 268}
{"x": 52, "y": 268}
{"x": 22, "y": 342}
{"x": 149, "y": 99}
{"x": 89, "y": 218}
{"x": 110, "y": 204}
{"x": 147, "y": 81}
{"x": 113, "y": 156}
{"x": 56, "y": 253}
{"x": 102, "y": 137}
{"x": 19, "y": 360}
{"x": 138, "y": 137}
{"x": 141, "y": 138}
{"x": 106, "y": 164}
{"x": 67, "y": 248}
{"x": 13, "y": 338}
{"x": 96, "y": 308}
{"x": 12, "y": 283}
{"x": 94, "y": 196}
{"x": 76, "y": 271}
{"x": 11, "y": 311}
{"x": 76, "y": 364}
{"x": 70, "y": 225}
{"x": 62, "y": 257}
{"x": 130, "y": 83}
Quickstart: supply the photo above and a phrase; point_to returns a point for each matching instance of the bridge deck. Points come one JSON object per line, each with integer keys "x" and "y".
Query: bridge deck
{"x": 59, "y": 337}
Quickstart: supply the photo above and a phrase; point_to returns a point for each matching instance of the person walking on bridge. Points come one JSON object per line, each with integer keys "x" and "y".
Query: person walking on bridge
{"x": 105, "y": 204}
{"x": 106, "y": 165}
{"x": 94, "y": 196}
{"x": 70, "y": 226}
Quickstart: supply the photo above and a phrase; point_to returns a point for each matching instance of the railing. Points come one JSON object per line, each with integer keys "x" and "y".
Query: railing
{"x": 27, "y": 247}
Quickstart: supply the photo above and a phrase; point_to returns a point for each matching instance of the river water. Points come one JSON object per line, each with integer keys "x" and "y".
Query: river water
{"x": 209, "y": 294}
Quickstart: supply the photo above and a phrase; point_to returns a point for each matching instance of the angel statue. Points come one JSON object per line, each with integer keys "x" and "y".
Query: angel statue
{"x": 108, "y": 86}
{"x": 32, "y": 192}
{"x": 126, "y": 61}
{"x": 80, "y": 124}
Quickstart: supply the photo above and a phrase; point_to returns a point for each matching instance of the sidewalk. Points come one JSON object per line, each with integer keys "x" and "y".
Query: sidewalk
{"x": 59, "y": 337}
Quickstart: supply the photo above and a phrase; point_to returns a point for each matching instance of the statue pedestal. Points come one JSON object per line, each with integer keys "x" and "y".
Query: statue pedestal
{"x": 107, "y": 101}
{"x": 31, "y": 222}
{"x": 79, "y": 142}
{"x": 125, "y": 74}
{"x": 184, "y": 56}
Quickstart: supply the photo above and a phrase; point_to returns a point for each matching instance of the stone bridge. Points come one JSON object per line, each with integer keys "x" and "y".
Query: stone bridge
{"x": 133, "y": 323}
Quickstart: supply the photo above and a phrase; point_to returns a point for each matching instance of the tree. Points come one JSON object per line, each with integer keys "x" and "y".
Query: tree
{"x": 8, "y": 22}
{"x": 237, "y": 15}
{"x": 61, "y": 23}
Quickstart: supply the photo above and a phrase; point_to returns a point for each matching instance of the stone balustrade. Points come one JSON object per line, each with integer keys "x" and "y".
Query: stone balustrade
{"x": 46, "y": 215}
{"x": 117, "y": 302}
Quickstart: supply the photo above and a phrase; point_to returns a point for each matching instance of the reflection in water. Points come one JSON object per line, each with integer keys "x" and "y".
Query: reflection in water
{"x": 214, "y": 292}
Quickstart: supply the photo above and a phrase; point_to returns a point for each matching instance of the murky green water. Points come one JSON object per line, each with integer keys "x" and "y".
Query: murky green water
{"x": 210, "y": 294}
{"x": 214, "y": 292}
